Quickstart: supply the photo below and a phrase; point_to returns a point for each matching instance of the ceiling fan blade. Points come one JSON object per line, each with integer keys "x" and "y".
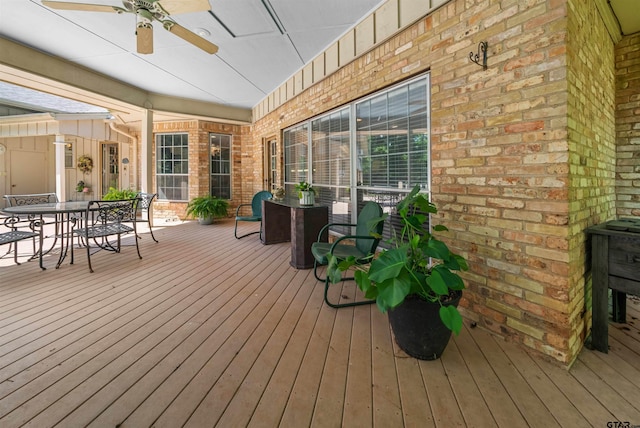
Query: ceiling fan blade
{"x": 66, "y": 5}
{"x": 184, "y": 6}
{"x": 190, "y": 37}
{"x": 144, "y": 39}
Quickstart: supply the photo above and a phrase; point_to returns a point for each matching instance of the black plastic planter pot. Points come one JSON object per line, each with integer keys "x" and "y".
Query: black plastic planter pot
{"x": 418, "y": 329}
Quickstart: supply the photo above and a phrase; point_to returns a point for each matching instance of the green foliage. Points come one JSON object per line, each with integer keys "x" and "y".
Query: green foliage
{"x": 418, "y": 263}
{"x": 207, "y": 206}
{"x": 304, "y": 186}
{"x": 117, "y": 194}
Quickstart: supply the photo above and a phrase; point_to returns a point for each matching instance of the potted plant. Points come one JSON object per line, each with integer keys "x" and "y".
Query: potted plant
{"x": 206, "y": 208}
{"x": 306, "y": 193}
{"x": 415, "y": 280}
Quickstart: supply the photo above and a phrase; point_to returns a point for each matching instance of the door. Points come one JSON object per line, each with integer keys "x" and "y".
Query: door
{"x": 271, "y": 164}
{"x": 28, "y": 173}
{"x": 110, "y": 171}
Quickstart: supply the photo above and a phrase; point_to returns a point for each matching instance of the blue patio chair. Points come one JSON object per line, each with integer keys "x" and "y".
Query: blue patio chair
{"x": 362, "y": 246}
{"x": 256, "y": 212}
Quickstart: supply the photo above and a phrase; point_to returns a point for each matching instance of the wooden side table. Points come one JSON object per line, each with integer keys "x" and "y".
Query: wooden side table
{"x": 615, "y": 265}
{"x": 287, "y": 220}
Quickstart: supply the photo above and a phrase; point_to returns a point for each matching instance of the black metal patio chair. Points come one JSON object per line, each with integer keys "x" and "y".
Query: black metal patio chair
{"x": 104, "y": 219}
{"x": 144, "y": 210}
{"x": 32, "y": 199}
{"x": 11, "y": 234}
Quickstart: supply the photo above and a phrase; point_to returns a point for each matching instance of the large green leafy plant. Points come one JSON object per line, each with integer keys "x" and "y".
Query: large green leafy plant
{"x": 207, "y": 206}
{"x": 417, "y": 263}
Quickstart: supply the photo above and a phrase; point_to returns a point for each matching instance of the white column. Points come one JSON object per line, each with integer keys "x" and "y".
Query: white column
{"x": 61, "y": 180}
{"x": 146, "y": 155}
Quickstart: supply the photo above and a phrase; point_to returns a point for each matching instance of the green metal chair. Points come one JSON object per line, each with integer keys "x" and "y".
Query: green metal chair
{"x": 256, "y": 212}
{"x": 367, "y": 237}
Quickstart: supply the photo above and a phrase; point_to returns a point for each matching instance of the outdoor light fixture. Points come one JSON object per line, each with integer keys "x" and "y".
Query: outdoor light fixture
{"x": 480, "y": 57}
{"x": 202, "y": 32}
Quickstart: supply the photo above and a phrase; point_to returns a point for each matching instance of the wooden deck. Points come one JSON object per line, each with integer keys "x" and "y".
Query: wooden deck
{"x": 207, "y": 330}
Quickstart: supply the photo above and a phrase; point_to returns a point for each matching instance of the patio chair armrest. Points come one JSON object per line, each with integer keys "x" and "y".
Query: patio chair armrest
{"x": 14, "y": 222}
{"x": 240, "y": 206}
{"x": 327, "y": 226}
{"x": 345, "y": 237}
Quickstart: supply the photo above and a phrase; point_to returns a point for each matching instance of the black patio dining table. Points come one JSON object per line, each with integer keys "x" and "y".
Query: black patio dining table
{"x": 66, "y": 214}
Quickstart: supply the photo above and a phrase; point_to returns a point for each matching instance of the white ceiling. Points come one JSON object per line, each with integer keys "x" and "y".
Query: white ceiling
{"x": 262, "y": 43}
{"x": 627, "y": 13}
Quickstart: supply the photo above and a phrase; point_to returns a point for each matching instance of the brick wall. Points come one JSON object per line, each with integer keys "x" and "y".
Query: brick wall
{"x": 628, "y": 126}
{"x": 199, "y": 161}
{"x": 591, "y": 128}
{"x": 522, "y": 153}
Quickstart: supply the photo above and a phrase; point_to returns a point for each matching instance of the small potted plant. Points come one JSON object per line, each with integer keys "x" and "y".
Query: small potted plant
{"x": 206, "y": 208}
{"x": 415, "y": 280}
{"x": 306, "y": 193}
{"x": 81, "y": 186}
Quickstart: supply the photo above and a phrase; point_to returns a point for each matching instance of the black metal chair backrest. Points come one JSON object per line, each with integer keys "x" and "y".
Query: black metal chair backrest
{"x": 145, "y": 200}
{"x": 105, "y": 219}
{"x": 30, "y": 199}
{"x": 118, "y": 211}
{"x": 144, "y": 210}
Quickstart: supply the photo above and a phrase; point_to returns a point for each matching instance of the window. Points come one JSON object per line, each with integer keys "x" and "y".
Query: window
{"x": 373, "y": 149}
{"x": 296, "y": 153}
{"x": 392, "y": 138}
{"x": 220, "y": 149}
{"x": 273, "y": 163}
{"x": 330, "y": 149}
{"x": 172, "y": 166}
{"x": 68, "y": 155}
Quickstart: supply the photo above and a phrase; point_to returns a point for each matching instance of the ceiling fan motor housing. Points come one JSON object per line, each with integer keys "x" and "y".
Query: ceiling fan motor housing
{"x": 151, "y": 7}
{"x": 143, "y": 18}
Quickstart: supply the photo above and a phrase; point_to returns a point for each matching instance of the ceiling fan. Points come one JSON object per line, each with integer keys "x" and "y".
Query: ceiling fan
{"x": 146, "y": 12}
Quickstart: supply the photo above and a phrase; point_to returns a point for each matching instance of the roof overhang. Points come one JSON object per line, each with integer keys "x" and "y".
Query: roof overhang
{"x": 33, "y": 69}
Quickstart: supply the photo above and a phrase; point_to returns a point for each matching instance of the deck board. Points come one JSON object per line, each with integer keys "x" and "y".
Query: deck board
{"x": 499, "y": 404}
{"x": 208, "y": 330}
{"x": 562, "y": 409}
{"x": 358, "y": 409}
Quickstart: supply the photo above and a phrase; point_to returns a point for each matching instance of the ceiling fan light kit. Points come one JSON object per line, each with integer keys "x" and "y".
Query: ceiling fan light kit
{"x": 146, "y": 12}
